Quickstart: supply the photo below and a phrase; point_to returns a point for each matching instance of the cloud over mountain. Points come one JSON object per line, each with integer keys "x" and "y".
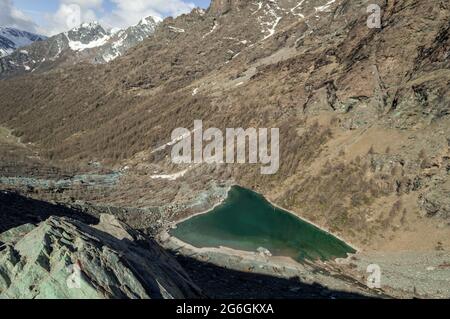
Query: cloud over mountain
{"x": 12, "y": 17}
{"x": 129, "y": 12}
{"x": 69, "y": 13}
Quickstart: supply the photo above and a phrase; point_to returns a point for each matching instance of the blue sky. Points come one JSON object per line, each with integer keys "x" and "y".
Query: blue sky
{"x": 50, "y": 16}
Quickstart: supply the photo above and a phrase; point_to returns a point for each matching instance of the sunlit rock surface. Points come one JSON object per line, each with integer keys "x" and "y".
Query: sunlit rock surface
{"x": 112, "y": 261}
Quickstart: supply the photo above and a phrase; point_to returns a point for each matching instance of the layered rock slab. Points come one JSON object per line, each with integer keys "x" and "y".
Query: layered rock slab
{"x": 64, "y": 258}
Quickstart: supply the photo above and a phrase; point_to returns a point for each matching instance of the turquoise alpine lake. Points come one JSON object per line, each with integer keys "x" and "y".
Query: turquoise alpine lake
{"x": 247, "y": 221}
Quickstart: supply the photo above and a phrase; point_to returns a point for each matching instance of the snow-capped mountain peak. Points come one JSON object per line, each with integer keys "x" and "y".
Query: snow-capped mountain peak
{"x": 150, "y": 21}
{"x": 11, "y": 39}
{"x": 90, "y": 25}
{"x": 89, "y": 42}
{"x": 87, "y": 36}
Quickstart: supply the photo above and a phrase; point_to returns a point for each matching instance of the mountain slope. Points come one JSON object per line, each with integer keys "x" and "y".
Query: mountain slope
{"x": 112, "y": 261}
{"x": 363, "y": 113}
{"x": 11, "y": 39}
{"x": 88, "y": 43}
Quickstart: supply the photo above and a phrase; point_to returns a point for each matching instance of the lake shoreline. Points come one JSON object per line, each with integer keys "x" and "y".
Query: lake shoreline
{"x": 179, "y": 221}
{"x": 285, "y": 267}
{"x": 303, "y": 219}
{"x": 357, "y": 249}
{"x": 175, "y": 244}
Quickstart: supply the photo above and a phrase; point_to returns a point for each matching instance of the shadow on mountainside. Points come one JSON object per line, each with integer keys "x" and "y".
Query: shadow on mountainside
{"x": 221, "y": 283}
{"x": 16, "y": 210}
{"x": 215, "y": 282}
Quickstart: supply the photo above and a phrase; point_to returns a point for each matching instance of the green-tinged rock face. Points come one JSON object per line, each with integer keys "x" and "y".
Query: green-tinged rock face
{"x": 247, "y": 221}
{"x": 12, "y": 236}
{"x": 63, "y": 259}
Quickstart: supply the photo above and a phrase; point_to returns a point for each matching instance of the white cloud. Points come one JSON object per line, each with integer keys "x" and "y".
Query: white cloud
{"x": 11, "y": 17}
{"x": 84, "y": 3}
{"x": 71, "y": 13}
{"x": 130, "y": 12}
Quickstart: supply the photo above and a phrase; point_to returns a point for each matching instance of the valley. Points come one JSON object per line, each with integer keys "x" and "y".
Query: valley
{"x": 364, "y": 168}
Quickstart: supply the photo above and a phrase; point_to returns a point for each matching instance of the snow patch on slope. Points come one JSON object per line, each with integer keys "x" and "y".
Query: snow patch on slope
{"x": 178, "y": 30}
{"x": 5, "y": 52}
{"x": 325, "y": 7}
{"x": 173, "y": 142}
{"x": 272, "y": 16}
{"x": 212, "y": 30}
{"x": 293, "y": 10}
{"x": 12, "y": 39}
{"x": 171, "y": 177}
{"x": 79, "y": 46}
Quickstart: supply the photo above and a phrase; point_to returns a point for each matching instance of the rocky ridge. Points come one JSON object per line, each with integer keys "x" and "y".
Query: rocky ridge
{"x": 110, "y": 260}
{"x": 89, "y": 42}
{"x": 11, "y": 39}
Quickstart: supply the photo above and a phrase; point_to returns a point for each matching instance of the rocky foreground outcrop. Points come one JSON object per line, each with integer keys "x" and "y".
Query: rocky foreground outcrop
{"x": 363, "y": 113}
{"x": 64, "y": 258}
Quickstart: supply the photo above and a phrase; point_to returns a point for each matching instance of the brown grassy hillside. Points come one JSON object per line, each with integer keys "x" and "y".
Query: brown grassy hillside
{"x": 363, "y": 113}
